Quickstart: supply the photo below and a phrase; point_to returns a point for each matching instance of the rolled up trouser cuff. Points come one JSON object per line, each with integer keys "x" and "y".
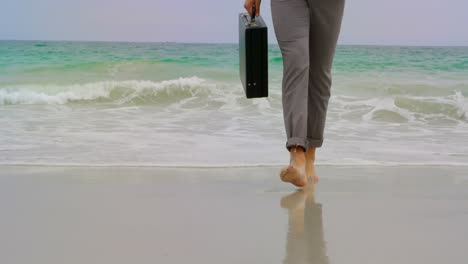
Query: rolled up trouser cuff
{"x": 316, "y": 143}
{"x": 296, "y": 141}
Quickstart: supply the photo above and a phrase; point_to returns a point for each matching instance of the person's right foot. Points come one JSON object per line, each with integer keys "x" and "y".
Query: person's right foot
{"x": 310, "y": 171}
{"x": 310, "y": 168}
{"x": 295, "y": 173}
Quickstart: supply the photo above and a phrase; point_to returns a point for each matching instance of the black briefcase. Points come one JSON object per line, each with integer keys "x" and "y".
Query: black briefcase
{"x": 253, "y": 55}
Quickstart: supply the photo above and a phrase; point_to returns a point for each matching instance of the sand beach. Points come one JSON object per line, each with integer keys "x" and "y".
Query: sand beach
{"x": 356, "y": 214}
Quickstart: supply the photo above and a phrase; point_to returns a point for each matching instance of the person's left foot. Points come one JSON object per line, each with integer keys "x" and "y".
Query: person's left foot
{"x": 295, "y": 173}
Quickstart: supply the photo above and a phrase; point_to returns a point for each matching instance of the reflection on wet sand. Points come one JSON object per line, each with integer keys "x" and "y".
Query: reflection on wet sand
{"x": 305, "y": 233}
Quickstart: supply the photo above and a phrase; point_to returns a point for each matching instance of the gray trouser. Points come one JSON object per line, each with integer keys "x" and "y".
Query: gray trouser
{"x": 307, "y": 32}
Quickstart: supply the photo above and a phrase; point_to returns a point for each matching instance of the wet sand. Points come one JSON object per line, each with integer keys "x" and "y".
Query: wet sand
{"x": 233, "y": 215}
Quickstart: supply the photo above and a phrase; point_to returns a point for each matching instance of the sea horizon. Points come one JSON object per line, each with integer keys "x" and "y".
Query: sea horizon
{"x": 234, "y": 43}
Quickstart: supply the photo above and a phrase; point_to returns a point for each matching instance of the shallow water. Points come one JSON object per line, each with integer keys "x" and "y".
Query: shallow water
{"x": 174, "y": 104}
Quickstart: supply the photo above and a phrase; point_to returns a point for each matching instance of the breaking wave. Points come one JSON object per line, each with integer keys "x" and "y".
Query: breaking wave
{"x": 120, "y": 92}
{"x": 196, "y": 92}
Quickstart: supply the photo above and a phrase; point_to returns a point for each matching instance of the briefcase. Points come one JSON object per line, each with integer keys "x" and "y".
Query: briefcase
{"x": 253, "y": 55}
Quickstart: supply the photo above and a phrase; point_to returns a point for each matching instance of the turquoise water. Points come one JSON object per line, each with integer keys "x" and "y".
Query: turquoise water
{"x": 137, "y": 103}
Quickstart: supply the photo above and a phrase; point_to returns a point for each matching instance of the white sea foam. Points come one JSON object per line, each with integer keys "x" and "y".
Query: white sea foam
{"x": 462, "y": 105}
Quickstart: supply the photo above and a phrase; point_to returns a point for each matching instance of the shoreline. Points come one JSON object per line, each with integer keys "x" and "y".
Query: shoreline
{"x": 168, "y": 166}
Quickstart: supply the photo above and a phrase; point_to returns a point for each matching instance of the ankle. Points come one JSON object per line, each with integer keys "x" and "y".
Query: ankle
{"x": 310, "y": 154}
{"x": 298, "y": 156}
{"x": 297, "y": 149}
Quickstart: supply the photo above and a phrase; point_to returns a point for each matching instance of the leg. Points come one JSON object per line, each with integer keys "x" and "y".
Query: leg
{"x": 291, "y": 24}
{"x": 325, "y": 24}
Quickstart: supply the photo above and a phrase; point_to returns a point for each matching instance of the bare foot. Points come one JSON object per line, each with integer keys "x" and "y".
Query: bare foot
{"x": 310, "y": 168}
{"x": 295, "y": 172}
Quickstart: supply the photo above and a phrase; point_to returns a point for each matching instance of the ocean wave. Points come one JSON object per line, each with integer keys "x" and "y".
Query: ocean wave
{"x": 119, "y": 92}
{"x": 199, "y": 93}
{"x": 403, "y": 108}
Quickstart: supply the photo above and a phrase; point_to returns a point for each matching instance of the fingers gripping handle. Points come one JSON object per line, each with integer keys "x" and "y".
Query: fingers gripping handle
{"x": 254, "y": 10}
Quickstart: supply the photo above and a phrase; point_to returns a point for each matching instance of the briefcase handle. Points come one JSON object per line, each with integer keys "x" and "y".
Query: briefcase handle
{"x": 252, "y": 19}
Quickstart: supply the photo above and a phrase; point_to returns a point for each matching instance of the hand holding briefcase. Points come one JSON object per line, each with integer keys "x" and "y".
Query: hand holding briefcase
{"x": 253, "y": 55}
